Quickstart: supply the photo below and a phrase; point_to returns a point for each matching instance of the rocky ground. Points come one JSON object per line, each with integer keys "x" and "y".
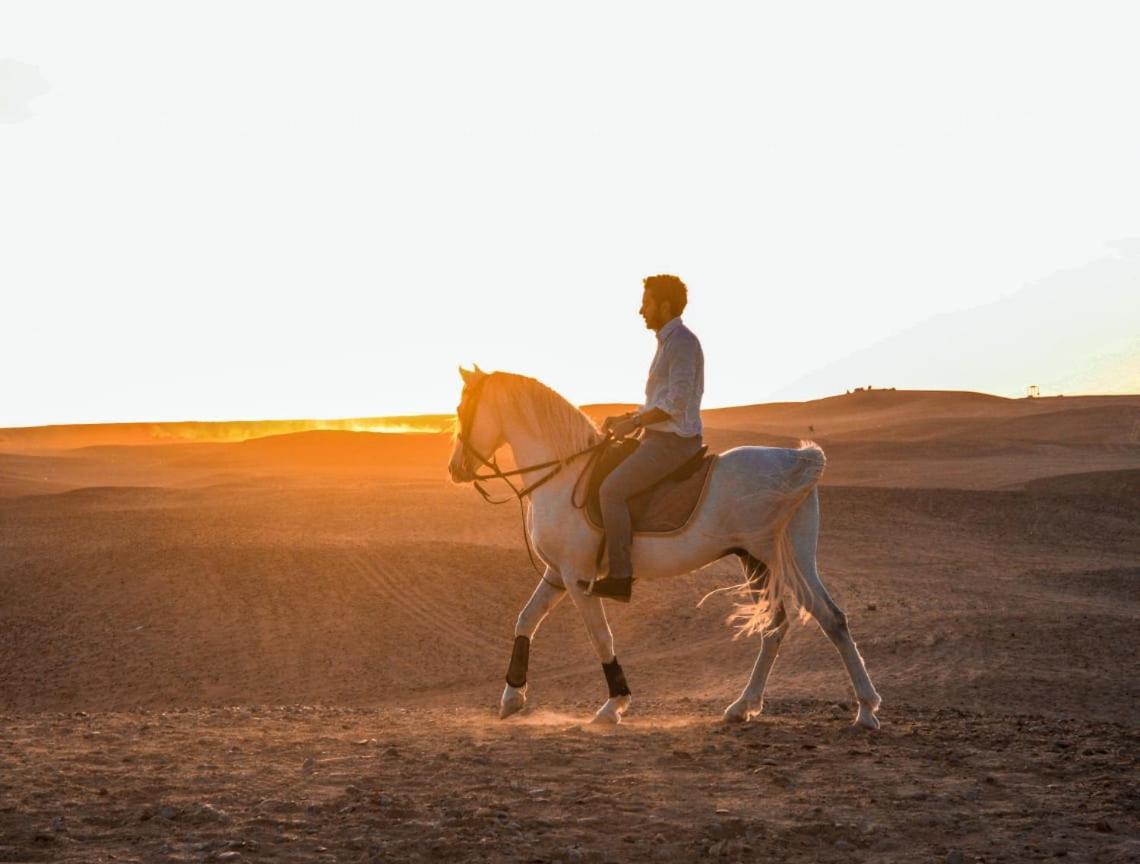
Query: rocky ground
{"x": 327, "y": 784}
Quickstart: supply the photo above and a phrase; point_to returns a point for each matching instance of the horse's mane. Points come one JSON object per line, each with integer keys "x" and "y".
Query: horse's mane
{"x": 544, "y": 411}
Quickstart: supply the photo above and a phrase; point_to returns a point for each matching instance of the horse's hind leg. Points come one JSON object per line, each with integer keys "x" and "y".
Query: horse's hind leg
{"x": 546, "y": 596}
{"x": 804, "y": 531}
{"x": 751, "y": 701}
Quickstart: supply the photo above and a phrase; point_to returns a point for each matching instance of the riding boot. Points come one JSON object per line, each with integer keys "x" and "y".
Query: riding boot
{"x": 612, "y": 582}
{"x": 618, "y": 588}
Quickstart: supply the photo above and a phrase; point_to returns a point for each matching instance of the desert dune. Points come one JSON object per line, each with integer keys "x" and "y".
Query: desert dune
{"x": 290, "y": 648}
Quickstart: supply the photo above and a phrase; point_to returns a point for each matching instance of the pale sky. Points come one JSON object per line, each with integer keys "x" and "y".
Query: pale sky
{"x": 272, "y": 210}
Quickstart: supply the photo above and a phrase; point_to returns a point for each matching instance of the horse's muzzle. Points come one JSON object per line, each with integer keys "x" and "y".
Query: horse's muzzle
{"x": 461, "y": 473}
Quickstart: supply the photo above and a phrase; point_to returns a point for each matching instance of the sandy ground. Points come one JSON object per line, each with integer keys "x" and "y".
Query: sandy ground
{"x": 343, "y": 784}
{"x": 290, "y": 649}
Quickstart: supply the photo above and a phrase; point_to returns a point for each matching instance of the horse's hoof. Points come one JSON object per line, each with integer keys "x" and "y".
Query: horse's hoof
{"x": 866, "y": 718}
{"x": 741, "y": 711}
{"x": 513, "y": 701}
{"x": 610, "y": 713}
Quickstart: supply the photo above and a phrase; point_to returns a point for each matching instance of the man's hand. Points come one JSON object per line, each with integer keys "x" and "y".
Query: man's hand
{"x": 610, "y": 422}
{"x": 626, "y": 425}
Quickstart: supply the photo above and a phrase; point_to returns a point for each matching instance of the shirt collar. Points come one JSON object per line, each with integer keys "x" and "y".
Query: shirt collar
{"x": 666, "y": 331}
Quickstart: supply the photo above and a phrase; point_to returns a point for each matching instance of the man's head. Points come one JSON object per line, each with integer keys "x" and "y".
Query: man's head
{"x": 663, "y": 300}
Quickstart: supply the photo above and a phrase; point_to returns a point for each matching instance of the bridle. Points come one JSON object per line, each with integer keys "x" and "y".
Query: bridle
{"x": 466, "y": 418}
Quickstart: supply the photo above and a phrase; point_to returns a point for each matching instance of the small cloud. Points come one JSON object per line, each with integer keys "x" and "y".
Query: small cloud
{"x": 20, "y": 83}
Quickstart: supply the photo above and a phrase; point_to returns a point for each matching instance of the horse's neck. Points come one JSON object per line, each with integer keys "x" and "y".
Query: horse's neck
{"x": 528, "y": 449}
{"x": 555, "y": 491}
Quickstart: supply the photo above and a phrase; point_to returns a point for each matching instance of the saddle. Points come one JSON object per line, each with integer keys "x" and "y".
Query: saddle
{"x": 663, "y": 508}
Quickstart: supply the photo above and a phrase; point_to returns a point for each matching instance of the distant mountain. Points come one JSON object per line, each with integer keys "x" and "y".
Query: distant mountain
{"x": 1077, "y": 331}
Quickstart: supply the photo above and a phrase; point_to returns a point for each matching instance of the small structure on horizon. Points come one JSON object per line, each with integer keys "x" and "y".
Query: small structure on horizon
{"x": 1032, "y": 392}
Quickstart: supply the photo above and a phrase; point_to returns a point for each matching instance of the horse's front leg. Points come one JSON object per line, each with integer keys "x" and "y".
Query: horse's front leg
{"x": 602, "y": 638}
{"x": 547, "y": 594}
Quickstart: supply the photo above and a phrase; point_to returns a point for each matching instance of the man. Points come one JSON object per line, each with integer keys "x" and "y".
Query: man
{"x": 671, "y": 424}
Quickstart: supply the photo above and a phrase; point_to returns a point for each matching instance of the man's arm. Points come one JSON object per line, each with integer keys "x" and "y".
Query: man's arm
{"x": 633, "y": 421}
{"x": 681, "y": 390}
{"x": 654, "y": 415}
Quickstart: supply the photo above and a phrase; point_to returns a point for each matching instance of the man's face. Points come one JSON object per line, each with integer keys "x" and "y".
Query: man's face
{"x": 655, "y": 314}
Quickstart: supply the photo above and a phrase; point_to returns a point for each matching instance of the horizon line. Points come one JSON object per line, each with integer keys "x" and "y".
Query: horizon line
{"x": 436, "y": 415}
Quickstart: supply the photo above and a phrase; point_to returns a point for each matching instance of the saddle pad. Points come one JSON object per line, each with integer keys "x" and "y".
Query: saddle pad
{"x": 663, "y": 508}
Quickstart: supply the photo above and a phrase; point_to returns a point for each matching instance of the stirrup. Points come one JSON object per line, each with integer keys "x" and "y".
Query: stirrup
{"x": 612, "y": 588}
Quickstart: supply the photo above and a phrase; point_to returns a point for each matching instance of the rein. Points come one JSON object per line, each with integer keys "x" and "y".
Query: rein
{"x": 556, "y": 466}
{"x": 500, "y": 474}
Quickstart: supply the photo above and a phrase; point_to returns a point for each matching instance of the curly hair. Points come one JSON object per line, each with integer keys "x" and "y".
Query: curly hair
{"x": 668, "y": 288}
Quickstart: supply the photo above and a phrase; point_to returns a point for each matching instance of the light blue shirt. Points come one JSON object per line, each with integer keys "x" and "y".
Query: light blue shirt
{"x": 676, "y": 380}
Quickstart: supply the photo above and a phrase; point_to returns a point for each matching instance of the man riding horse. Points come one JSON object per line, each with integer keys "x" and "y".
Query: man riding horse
{"x": 759, "y": 504}
{"x": 670, "y": 425}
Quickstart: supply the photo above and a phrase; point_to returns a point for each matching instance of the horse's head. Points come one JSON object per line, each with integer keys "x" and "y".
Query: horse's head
{"x": 479, "y": 433}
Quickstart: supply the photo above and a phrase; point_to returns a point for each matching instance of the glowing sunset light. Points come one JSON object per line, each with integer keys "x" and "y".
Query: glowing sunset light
{"x": 198, "y": 223}
{"x": 820, "y": 322}
{"x": 224, "y": 432}
{"x": 245, "y": 430}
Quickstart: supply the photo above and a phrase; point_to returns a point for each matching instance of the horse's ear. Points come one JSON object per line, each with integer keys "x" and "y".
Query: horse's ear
{"x": 472, "y": 375}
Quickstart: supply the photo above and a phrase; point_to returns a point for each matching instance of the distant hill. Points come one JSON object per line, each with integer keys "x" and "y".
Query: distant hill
{"x": 896, "y": 415}
{"x": 85, "y": 435}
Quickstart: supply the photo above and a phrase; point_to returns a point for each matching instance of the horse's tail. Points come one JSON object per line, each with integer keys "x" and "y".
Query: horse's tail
{"x": 784, "y": 581}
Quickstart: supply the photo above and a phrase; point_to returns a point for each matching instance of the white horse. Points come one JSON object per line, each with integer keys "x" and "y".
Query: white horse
{"x": 761, "y": 505}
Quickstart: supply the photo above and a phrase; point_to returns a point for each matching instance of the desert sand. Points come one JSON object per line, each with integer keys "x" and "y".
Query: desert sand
{"x": 290, "y": 648}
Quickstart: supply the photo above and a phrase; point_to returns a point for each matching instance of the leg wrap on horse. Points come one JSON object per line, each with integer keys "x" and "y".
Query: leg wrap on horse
{"x": 615, "y": 678}
{"x": 520, "y": 658}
